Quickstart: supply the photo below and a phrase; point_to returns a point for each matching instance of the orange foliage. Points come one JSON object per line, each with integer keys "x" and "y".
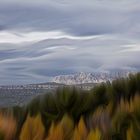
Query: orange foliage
{"x": 7, "y": 126}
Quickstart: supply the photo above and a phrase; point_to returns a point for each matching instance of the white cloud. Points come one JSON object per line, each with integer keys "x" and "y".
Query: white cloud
{"x": 17, "y": 37}
{"x": 131, "y": 48}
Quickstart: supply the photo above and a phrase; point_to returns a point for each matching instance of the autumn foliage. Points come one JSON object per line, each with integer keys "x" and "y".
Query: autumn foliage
{"x": 110, "y": 111}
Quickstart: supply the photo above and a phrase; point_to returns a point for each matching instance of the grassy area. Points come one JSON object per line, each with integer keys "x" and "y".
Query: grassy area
{"x": 110, "y": 111}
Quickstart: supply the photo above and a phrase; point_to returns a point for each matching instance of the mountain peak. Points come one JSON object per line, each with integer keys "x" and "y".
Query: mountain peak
{"x": 87, "y": 77}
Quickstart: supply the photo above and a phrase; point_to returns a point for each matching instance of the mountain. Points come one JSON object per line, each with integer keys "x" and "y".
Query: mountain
{"x": 82, "y": 77}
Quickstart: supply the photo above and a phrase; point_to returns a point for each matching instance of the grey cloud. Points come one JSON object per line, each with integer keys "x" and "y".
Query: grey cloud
{"x": 87, "y": 55}
{"x": 115, "y": 23}
{"x": 76, "y": 20}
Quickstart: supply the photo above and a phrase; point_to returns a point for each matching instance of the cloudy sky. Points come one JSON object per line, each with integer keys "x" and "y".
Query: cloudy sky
{"x": 44, "y": 38}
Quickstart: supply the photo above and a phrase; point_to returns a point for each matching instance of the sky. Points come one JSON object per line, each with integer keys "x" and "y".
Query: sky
{"x": 40, "y": 39}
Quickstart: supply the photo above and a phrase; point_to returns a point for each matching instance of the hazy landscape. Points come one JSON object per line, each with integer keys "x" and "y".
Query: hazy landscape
{"x": 69, "y": 70}
{"x": 12, "y": 95}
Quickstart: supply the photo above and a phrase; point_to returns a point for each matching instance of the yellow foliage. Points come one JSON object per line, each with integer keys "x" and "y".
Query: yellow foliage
{"x": 131, "y": 106}
{"x": 135, "y": 103}
{"x": 129, "y": 134}
{"x": 56, "y": 132}
{"x": 68, "y": 126}
{"x": 94, "y": 135}
{"x": 32, "y": 129}
{"x": 80, "y": 132}
{"x": 109, "y": 108}
{"x": 61, "y": 131}
{"x": 125, "y": 106}
{"x": 7, "y": 126}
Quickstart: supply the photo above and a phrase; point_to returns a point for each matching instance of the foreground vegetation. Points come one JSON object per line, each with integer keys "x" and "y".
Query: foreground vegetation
{"x": 110, "y": 111}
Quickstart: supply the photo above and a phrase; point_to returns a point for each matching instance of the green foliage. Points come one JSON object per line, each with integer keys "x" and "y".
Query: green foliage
{"x": 1, "y": 136}
{"x": 34, "y": 106}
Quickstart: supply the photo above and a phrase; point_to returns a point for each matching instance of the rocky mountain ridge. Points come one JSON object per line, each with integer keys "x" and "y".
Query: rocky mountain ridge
{"x": 82, "y": 77}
